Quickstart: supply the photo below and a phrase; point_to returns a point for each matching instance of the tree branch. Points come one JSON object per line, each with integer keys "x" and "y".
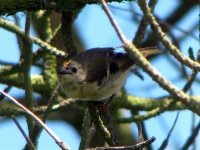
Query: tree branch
{"x": 147, "y": 67}
{"x": 27, "y": 62}
{"x": 15, "y": 29}
{"x": 13, "y": 6}
{"x": 138, "y": 146}
{"x": 163, "y": 38}
{"x": 192, "y": 137}
{"x": 139, "y": 36}
{"x": 131, "y": 103}
{"x": 62, "y": 145}
{"x": 66, "y": 28}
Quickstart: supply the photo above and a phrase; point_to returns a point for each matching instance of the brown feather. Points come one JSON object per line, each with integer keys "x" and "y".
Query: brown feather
{"x": 105, "y": 62}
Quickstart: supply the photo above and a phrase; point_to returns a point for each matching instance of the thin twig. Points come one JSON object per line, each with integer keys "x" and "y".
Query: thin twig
{"x": 58, "y": 141}
{"x": 165, "y": 142}
{"x": 190, "y": 81}
{"x": 192, "y": 137}
{"x": 134, "y": 147}
{"x": 7, "y": 89}
{"x": 51, "y": 101}
{"x": 23, "y": 133}
{"x": 113, "y": 22}
{"x": 139, "y": 36}
{"x": 193, "y": 75}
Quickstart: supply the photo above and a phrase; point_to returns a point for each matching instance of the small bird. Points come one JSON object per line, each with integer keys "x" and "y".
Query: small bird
{"x": 98, "y": 73}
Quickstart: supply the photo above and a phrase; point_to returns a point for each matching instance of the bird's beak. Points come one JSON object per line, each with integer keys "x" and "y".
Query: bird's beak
{"x": 63, "y": 71}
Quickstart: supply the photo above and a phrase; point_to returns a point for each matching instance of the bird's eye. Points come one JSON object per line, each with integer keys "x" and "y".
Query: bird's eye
{"x": 74, "y": 69}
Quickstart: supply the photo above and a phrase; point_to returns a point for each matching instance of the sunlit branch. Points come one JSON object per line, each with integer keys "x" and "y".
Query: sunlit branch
{"x": 144, "y": 64}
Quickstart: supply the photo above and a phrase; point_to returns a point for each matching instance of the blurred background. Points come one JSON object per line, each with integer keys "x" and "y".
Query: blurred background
{"x": 92, "y": 29}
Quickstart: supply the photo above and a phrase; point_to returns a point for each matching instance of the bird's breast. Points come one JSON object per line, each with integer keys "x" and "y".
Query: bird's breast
{"x": 93, "y": 91}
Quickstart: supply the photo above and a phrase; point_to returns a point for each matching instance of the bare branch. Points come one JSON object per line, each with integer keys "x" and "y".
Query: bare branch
{"x": 113, "y": 22}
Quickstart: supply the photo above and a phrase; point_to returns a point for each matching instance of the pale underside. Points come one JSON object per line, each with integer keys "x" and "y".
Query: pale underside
{"x": 92, "y": 91}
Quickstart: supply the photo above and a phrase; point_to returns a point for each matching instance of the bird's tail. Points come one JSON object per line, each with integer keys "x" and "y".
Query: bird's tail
{"x": 148, "y": 51}
{"x": 125, "y": 62}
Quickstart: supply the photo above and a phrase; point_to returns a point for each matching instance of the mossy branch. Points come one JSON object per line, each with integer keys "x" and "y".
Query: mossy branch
{"x": 37, "y": 81}
{"x": 13, "y": 6}
{"x": 131, "y": 103}
{"x": 16, "y": 29}
{"x": 27, "y": 62}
